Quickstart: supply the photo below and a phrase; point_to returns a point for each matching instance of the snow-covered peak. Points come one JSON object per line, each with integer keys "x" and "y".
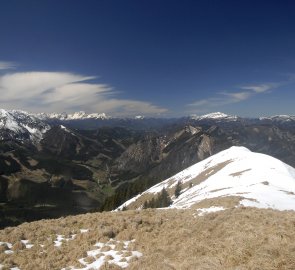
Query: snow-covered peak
{"x": 7, "y": 121}
{"x": 139, "y": 117}
{"x": 16, "y": 124}
{"x": 254, "y": 179}
{"x": 284, "y": 118}
{"x": 77, "y": 115}
{"x": 97, "y": 116}
{"x": 214, "y": 116}
{"x": 74, "y": 116}
{"x": 44, "y": 116}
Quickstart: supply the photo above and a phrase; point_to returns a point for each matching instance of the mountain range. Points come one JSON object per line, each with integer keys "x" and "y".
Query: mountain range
{"x": 53, "y": 166}
{"x": 82, "y": 120}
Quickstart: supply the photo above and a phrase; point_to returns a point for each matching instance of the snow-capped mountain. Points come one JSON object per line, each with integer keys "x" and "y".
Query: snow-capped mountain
{"x": 215, "y": 116}
{"x": 20, "y": 125}
{"x": 75, "y": 116}
{"x": 139, "y": 117}
{"x": 279, "y": 118}
{"x": 237, "y": 174}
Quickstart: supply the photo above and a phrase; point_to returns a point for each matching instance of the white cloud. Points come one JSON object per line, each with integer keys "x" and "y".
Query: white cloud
{"x": 224, "y": 98}
{"x": 260, "y": 88}
{"x": 59, "y": 92}
{"x": 7, "y": 65}
{"x": 227, "y": 98}
{"x": 236, "y": 97}
{"x": 127, "y": 107}
{"x": 27, "y": 85}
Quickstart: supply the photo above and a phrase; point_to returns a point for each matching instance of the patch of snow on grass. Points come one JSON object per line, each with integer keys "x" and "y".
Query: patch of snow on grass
{"x": 120, "y": 258}
{"x": 212, "y": 209}
{"x": 9, "y": 246}
{"x": 26, "y": 242}
{"x": 60, "y": 239}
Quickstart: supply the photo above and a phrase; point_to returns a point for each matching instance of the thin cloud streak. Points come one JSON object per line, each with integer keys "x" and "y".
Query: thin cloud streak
{"x": 226, "y": 98}
{"x": 261, "y": 88}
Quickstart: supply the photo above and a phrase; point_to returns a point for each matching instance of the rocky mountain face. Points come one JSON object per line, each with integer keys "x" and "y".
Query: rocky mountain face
{"x": 21, "y": 126}
{"x": 49, "y": 169}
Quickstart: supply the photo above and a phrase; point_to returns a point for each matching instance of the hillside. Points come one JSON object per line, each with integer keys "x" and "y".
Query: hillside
{"x": 235, "y": 177}
{"x": 192, "y": 233}
{"x": 237, "y": 238}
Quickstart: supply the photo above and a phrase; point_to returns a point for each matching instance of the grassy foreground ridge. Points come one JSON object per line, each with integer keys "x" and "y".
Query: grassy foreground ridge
{"x": 237, "y": 238}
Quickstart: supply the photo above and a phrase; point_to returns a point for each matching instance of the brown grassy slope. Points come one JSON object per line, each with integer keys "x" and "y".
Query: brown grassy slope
{"x": 238, "y": 238}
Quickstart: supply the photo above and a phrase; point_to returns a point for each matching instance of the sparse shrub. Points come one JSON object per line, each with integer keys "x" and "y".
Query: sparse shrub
{"x": 109, "y": 266}
{"x": 5, "y": 267}
{"x": 110, "y": 233}
{"x": 133, "y": 259}
{"x": 109, "y": 258}
{"x": 178, "y": 189}
{"x": 18, "y": 246}
{"x": 3, "y": 247}
{"x": 125, "y": 235}
{"x": 127, "y": 254}
{"x": 162, "y": 200}
{"x": 119, "y": 246}
{"x": 89, "y": 259}
{"x": 105, "y": 248}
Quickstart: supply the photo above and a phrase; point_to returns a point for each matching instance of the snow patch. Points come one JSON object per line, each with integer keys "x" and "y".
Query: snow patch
{"x": 120, "y": 258}
{"x": 26, "y": 242}
{"x": 61, "y": 238}
{"x": 212, "y": 209}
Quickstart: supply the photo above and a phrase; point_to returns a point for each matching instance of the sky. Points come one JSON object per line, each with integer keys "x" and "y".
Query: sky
{"x": 158, "y": 58}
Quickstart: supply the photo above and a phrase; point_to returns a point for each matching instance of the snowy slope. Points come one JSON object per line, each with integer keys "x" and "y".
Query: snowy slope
{"x": 259, "y": 180}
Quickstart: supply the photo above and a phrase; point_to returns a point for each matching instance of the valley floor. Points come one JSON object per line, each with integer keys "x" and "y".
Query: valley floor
{"x": 237, "y": 238}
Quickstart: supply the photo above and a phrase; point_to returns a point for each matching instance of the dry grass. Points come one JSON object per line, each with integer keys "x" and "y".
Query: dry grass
{"x": 208, "y": 172}
{"x": 225, "y": 202}
{"x": 237, "y": 238}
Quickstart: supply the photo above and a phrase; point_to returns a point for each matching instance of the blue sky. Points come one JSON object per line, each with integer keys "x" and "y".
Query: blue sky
{"x": 151, "y": 57}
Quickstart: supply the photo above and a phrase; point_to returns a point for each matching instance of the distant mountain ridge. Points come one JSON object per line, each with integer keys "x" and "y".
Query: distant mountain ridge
{"x": 21, "y": 125}
{"x": 81, "y": 115}
{"x": 215, "y": 116}
{"x": 74, "y": 116}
